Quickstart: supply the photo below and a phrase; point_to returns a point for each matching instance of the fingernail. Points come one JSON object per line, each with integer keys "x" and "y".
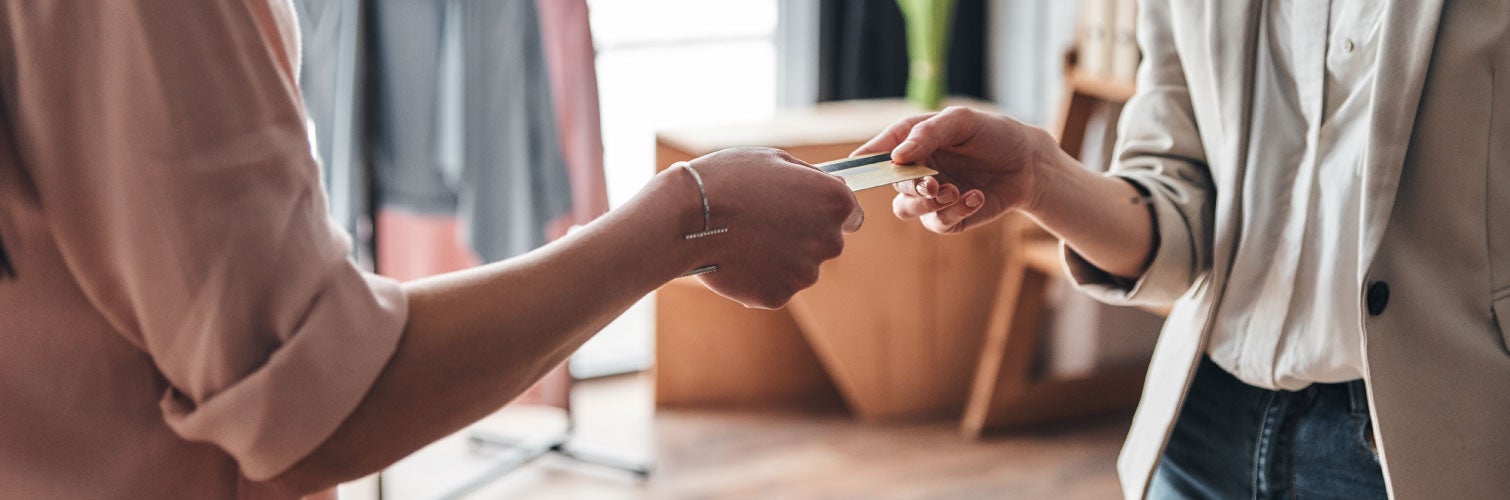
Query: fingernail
{"x": 928, "y": 187}
{"x": 904, "y": 148}
{"x": 947, "y": 196}
{"x": 974, "y": 199}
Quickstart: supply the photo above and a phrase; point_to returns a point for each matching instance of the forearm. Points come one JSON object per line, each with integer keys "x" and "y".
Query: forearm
{"x": 476, "y": 339}
{"x": 1102, "y": 218}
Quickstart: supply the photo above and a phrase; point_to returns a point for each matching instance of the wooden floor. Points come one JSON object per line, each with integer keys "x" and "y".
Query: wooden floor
{"x": 798, "y": 454}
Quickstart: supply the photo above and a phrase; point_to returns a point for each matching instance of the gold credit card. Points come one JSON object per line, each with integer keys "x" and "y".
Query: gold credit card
{"x": 876, "y": 170}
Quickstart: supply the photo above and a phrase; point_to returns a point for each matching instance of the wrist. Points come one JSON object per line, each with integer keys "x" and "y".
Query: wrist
{"x": 676, "y": 203}
{"x": 1051, "y": 181}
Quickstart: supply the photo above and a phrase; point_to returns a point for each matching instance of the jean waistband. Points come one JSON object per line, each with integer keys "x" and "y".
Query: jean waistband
{"x": 1356, "y": 391}
{"x": 1357, "y": 397}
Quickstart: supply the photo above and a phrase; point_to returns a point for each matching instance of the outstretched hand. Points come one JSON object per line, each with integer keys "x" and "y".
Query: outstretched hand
{"x": 987, "y": 163}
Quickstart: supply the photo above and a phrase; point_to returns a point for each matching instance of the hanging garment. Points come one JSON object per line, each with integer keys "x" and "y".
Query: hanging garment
{"x": 330, "y": 82}
{"x": 462, "y": 120}
{"x": 418, "y": 233}
{"x": 570, "y": 56}
{"x": 513, "y": 175}
{"x": 465, "y": 124}
{"x": 481, "y": 147}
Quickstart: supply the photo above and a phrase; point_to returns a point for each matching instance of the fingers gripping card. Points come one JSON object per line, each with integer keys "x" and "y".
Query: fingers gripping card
{"x": 866, "y": 172}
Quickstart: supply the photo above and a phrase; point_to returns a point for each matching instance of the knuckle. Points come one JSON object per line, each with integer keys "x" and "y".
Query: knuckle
{"x": 761, "y": 300}
{"x": 899, "y": 205}
{"x": 927, "y": 128}
{"x": 896, "y": 128}
{"x": 900, "y": 127}
{"x": 776, "y": 299}
{"x": 903, "y": 206}
{"x": 835, "y": 248}
{"x": 808, "y": 278}
{"x": 841, "y": 209}
{"x": 951, "y": 219}
{"x": 922, "y": 206}
{"x": 946, "y": 215}
{"x": 932, "y": 223}
{"x": 953, "y": 112}
{"x": 842, "y": 200}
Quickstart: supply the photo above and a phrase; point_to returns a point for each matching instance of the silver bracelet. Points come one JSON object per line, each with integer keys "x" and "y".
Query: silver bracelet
{"x": 707, "y": 212}
{"x": 707, "y": 219}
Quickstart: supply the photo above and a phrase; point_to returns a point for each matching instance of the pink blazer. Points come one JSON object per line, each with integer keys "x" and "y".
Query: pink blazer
{"x": 184, "y": 321}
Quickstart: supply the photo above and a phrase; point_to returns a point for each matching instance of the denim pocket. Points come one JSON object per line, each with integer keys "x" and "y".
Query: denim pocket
{"x": 1365, "y": 437}
{"x": 1357, "y": 392}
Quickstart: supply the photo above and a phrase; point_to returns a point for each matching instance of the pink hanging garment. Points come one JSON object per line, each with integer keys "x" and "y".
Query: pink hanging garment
{"x": 574, "y": 89}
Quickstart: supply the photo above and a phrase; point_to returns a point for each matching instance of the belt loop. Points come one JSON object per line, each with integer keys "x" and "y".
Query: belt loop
{"x": 1358, "y": 398}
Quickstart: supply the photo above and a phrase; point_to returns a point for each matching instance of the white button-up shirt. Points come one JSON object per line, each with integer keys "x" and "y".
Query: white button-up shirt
{"x": 1292, "y": 313}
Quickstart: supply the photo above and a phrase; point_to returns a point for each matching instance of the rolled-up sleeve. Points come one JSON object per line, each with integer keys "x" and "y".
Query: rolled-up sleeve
{"x": 1159, "y": 151}
{"x": 166, "y": 143}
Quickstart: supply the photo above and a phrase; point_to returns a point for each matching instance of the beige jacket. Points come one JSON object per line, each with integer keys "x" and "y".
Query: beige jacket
{"x": 1436, "y": 228}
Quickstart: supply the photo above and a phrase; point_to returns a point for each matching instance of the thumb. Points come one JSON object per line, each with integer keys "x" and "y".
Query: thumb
{"x": 889, "y": 138}
{"x": 949, "y": 127}
{"x": 856, "y": 215}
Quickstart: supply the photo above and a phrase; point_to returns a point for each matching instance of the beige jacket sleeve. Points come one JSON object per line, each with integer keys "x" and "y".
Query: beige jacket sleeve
{"x": 1159, "y": 151}
{"x": 166, "y": 143}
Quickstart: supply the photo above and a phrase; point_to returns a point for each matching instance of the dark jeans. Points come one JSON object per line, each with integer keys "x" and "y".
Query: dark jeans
{"x": 1235, "y": 441}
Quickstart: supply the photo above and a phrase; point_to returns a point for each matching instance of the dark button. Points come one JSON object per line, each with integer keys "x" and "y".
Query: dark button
{"x": 1378, "y": 298}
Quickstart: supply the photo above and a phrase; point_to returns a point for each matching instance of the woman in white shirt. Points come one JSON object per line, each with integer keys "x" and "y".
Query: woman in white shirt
{"x": 1322, "y": 190}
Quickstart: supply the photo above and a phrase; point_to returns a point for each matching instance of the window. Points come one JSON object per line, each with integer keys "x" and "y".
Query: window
{"x": 669, "y": 64}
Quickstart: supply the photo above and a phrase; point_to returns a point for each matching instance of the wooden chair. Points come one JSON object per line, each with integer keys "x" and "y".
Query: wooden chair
{"x": 1008, "y": 388}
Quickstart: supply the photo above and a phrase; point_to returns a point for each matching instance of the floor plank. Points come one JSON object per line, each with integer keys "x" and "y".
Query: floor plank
{"x": 792, "y": 454}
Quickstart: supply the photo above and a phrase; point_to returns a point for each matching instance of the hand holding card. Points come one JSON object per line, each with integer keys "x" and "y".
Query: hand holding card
{"x": 989, "y": 165}
{"x": 865, "y": 172}
{"x": 768, "y": 221}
